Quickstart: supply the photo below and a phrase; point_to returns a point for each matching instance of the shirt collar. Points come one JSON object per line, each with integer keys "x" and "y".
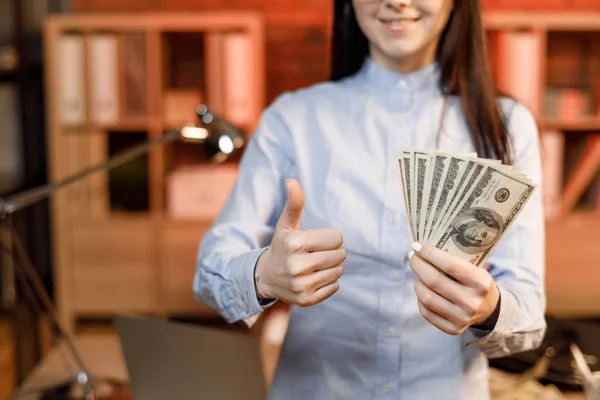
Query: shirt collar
{"x": 426, "y": 78}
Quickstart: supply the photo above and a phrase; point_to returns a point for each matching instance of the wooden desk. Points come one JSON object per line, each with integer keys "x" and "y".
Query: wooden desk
{"x": 102, "y": 355}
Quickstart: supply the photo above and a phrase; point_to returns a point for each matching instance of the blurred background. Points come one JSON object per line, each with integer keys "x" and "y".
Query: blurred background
{"x": 82, "y": 80}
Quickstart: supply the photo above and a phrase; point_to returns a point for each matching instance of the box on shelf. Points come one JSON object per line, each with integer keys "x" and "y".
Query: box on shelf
{"x": 180, "y": 106}
{"x": 199, "y": 191}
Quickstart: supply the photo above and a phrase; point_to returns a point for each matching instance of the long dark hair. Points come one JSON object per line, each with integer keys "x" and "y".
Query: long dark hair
{"x": 464, "y": 70}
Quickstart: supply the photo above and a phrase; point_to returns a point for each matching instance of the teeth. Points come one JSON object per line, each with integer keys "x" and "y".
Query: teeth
{"x": 399, "y": 23}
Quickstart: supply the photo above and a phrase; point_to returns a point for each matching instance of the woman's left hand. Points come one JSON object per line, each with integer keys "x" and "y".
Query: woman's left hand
{"x": 452, "y": 305}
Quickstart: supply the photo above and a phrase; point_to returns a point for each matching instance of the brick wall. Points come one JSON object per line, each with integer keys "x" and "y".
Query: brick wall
{"x": 317, "y": 5}
{"x": 297, "y": 31}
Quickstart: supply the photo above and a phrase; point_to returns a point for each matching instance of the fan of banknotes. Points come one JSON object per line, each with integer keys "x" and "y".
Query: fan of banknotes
{"x": 460, "y": 203}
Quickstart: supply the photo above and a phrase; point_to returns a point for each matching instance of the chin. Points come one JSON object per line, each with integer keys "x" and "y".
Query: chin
{"x": 399, "y": 51}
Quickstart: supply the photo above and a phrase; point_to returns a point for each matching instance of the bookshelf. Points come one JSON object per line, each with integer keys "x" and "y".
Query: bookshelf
{"x": 583, "y": 125}
{"x": 113, "y": 80}
{"x": 296, "y": 33}
{"x": 551, "y": 62}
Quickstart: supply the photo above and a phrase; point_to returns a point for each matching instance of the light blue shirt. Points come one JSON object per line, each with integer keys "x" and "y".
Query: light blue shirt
{"x": 369, "y": 341}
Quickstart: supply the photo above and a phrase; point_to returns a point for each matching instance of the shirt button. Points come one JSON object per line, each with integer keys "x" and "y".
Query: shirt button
{"x": 394, "y": 275}
{"x": 401, "y": 84}
{"x": 400, "y": 120}
{"x": 391, "y": 331}
{"x": 395, "y": 218}
{"x": 387, "y": 388}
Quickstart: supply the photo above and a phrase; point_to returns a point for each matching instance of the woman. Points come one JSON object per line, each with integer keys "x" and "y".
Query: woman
{"x": 316, "y": 217}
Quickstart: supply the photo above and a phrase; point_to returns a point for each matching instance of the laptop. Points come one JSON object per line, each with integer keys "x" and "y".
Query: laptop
{"x": 173, "y": 360}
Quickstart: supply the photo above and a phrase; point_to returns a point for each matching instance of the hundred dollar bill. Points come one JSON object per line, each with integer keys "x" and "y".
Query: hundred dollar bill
{"x": 421, "y": 160}
{"x": 405, "y": 168}
{"x": 439, "y": 166}
{"x": 427, "y": 188}
{"x": 451, "y": 176}
{"x": 436, "y": 187}
{"x": 485, "y": 213}
{"x": 472, "y": 171}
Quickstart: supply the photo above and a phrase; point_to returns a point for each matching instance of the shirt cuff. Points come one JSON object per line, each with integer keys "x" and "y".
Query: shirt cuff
{"x": 242, "y": 273}
{"x": 507, "y": 319}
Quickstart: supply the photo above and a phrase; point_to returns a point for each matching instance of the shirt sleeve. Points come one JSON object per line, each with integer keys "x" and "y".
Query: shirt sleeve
{"x": 229, "y": 250}
{"x": 517, "y": 264}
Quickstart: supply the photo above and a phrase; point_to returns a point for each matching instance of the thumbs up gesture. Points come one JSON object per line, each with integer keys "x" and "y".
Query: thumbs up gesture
{"x": 300, "y": 267}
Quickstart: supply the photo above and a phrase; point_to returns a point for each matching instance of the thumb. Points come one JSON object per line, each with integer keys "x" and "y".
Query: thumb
{"x": 292, "y": 212}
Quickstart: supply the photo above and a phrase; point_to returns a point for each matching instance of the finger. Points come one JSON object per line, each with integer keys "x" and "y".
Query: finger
{"x": 459, "y": 269}
{"x": 438, "y": 321}
{"x": 311, "y": 282}
{"x": 294, "y": 204}
{"x": 439, "y": 305}
{"x": 436, "y": 281}
{"x": 325, "y": 277}
{"x": 322, "y": 260}
{"x": 321, "y": 239}
{"x": 323, "y": 293}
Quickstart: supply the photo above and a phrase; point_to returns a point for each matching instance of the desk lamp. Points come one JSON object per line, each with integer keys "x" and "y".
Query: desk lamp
{"x": 218, "y": 137}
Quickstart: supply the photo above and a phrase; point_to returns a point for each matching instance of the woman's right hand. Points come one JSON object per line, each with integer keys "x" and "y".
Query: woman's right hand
{"x": 300, "y": 267}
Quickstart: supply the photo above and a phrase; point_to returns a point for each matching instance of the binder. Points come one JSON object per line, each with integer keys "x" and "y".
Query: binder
{"x": 71, "y": 79}
{"x": 552, "y": 147}
{"x": 238, "y": 79}
{"x": 214, "y": 67}
{"x": 103, "y": 79}
{"x": 519, "y": 57}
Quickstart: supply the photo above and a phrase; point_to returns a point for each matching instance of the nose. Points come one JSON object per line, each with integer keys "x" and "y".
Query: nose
{"x": 473, "y": 233}
{"x": 397, "y": 4}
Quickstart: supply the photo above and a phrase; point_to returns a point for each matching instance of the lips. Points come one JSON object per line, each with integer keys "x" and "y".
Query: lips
{"x": 400, "y": 21}
{"x": 398, "y": 24}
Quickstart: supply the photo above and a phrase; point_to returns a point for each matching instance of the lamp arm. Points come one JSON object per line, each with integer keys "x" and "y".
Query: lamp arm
{"x": 21, "y": 200}
{"x": 32, "y": 282}
{"x": 36, "y": 287}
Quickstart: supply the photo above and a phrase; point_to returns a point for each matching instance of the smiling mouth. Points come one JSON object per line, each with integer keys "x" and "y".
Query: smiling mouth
{"x": 398, "y": 24}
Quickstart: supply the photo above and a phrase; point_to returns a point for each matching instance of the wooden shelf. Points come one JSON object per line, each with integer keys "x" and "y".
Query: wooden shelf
{"x": 133, "y": 124}
{"x": 158, "y": 21}
{"x": 127, "y": 216}
{"x": 552, "y": 21}
{"x": 536, "y": 57}
{"x": 572, "y": 273}
{"x": 108, "y": 261}
{"x": 574, "y": 219}
{"x": 186, "y": 222}
{"x": 582, "y": 125}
